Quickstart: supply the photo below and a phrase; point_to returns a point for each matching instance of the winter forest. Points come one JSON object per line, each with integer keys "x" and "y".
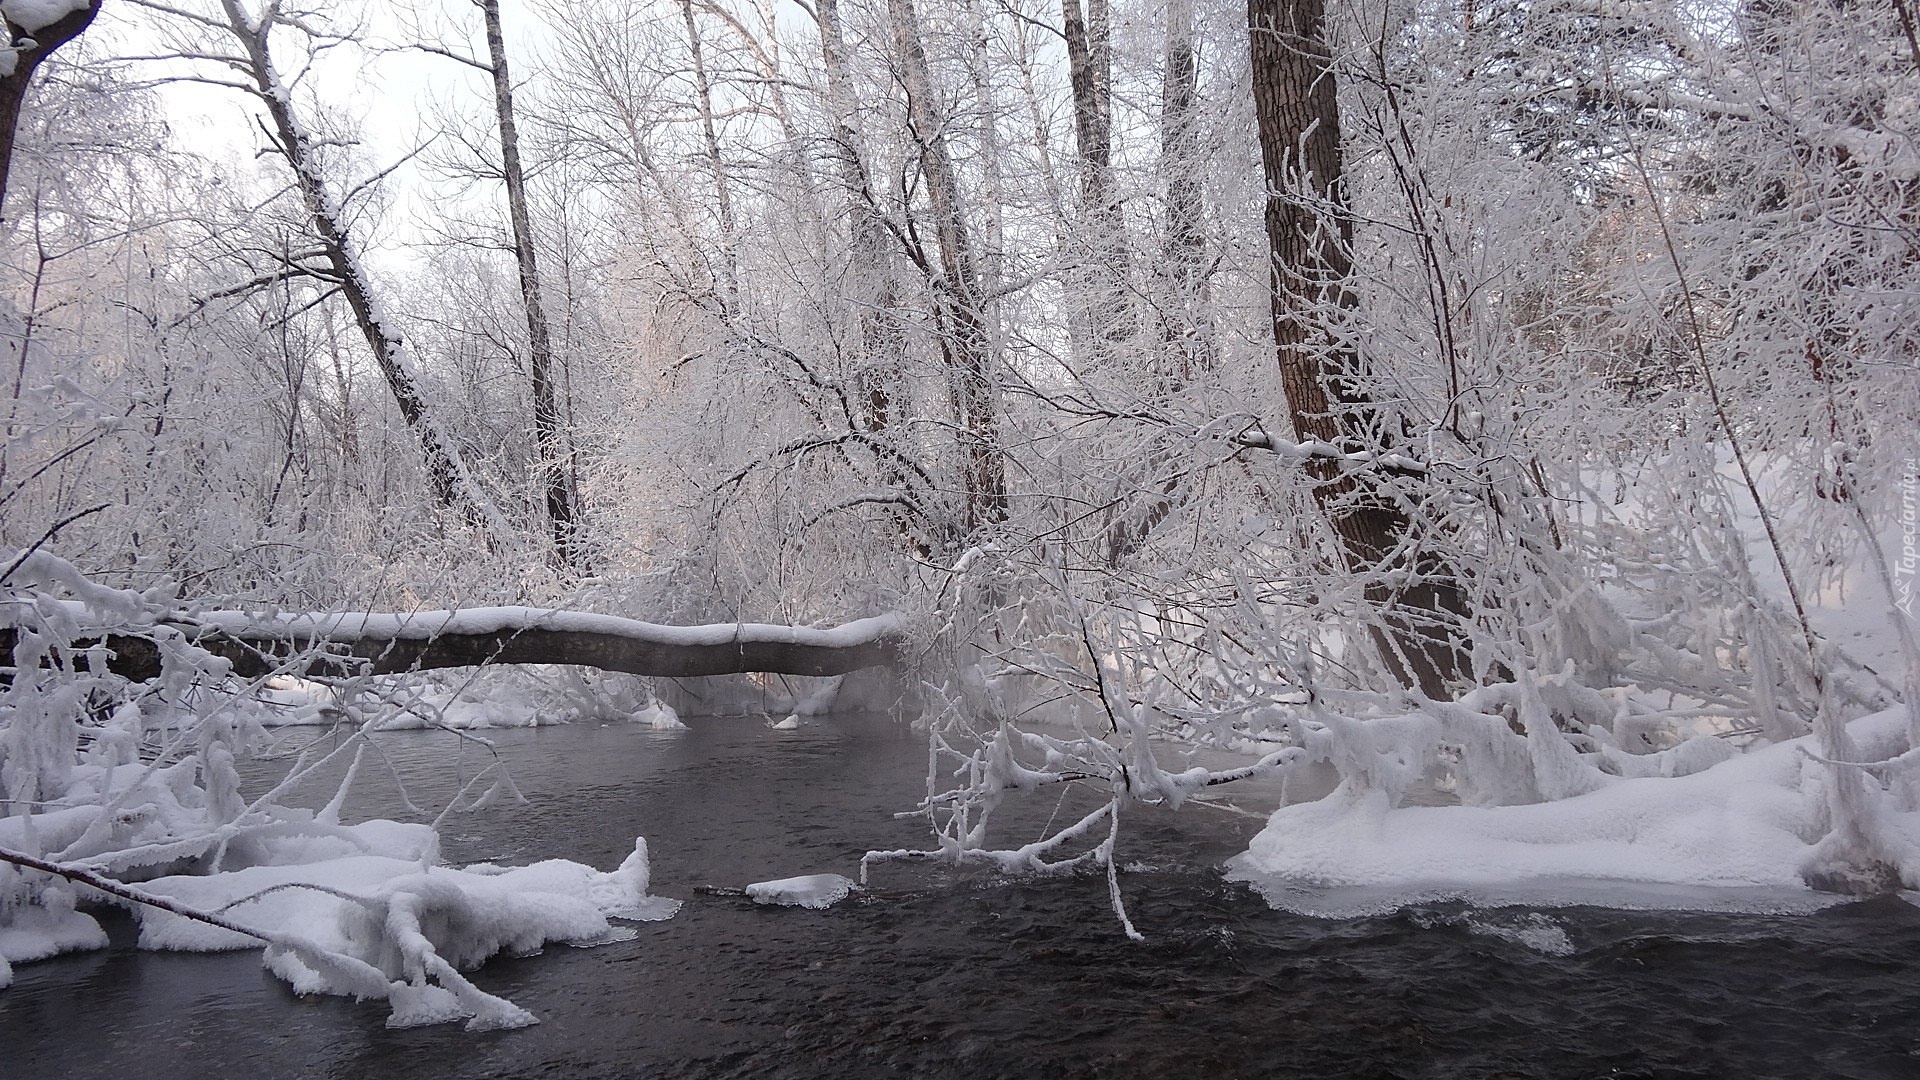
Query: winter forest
{"x": 1493, "y": 424}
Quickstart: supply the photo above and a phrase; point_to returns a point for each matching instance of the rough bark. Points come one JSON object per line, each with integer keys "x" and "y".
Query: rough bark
{"x": 1309, "y": 232}
{"x": 965, "y": 344}
{"x": 13, "y": 87}
{"x": 452, "y": 483}
{"x": 556, "y": 477}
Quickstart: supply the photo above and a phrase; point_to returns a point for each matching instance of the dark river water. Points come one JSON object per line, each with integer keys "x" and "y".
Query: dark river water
{"x": 939, "y": 973}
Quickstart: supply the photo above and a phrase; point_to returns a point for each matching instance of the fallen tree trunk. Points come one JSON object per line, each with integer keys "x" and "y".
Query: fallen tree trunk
{"x": 387, "y": 644}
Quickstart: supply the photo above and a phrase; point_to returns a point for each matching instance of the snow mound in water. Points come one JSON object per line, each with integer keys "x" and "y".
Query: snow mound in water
{"x": 817, "y": 891}
{"x": 48, "y": 929}
{"x": 1732, "y": 837}
{"x": 659, "y": 717}
{"x": 373, "y": 926}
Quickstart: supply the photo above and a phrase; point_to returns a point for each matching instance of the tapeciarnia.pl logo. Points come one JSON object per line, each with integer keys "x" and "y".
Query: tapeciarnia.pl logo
{"x": 1907, "y": 567}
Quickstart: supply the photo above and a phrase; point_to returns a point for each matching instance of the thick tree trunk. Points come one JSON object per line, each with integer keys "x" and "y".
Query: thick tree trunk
{"x": 1309, "y": 232}
{"x": 13, "y": 86}
{"x": 453, "y": 484}
{"x": 339, "y": 645}
{"x": 964, "y": 341}
{"x": 556, "y": 477}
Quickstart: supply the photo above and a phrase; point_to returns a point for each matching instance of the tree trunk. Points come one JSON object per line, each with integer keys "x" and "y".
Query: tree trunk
{"x": 964, "y": 342}
{"x": 1309, "y": 232}
{"x": 13, "y": 86}
{"x": 453, "y": 484}
{"x": 1187, "y": 331}
{"x": 723, "y": 204}
{"x": 555, "y": 476}
{"x": 1090, "y": 74}
{"x": 391, "y": 644}
{"x": 878, "y": 368}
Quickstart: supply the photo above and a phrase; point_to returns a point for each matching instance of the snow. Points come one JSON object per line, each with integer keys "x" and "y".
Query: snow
{"x": 497, "y": 698}
{"x": 423, "y": 625}
{"x": 461, "y": 709}
{"x": 1734, "y": 836}
{"x": 817, "y": 891}
{"x": 418, "y": 925}
{"x": 48, "y": 929}
{"x": 364, "y": 911}
{"x": 32, "y": 15}
{"x": 659, "y": 717}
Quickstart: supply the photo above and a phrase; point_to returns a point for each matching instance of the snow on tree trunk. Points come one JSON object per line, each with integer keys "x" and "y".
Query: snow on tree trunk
{"x": 973, "y": 387}
{"x": 452, "y": 481}
{"x": 47, "y": 26}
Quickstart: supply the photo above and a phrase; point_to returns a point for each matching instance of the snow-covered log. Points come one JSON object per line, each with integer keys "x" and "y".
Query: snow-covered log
{"x": 382, "y": 644}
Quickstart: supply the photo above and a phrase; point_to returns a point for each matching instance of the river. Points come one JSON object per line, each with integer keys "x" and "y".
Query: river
{"x": 942, "y": 973}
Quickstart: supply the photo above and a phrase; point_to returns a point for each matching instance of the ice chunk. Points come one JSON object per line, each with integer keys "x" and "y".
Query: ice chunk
{"x": 816, "y": 891}
{"x": 659, "y": 717}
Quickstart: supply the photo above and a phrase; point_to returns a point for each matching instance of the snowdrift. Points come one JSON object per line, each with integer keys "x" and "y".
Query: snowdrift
{"x": 1736, "y": 836}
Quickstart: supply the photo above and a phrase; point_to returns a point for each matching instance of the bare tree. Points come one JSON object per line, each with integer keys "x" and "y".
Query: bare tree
{"x": 453, "y": 483}
{"x": 964, "y": 342}
{"x": 709, "y": 132}
{"x": 1186, "y": 328}
{"x": 1090, "y": 73}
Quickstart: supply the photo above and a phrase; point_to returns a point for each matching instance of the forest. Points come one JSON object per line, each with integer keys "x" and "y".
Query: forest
{"x": 1495, "y": 421}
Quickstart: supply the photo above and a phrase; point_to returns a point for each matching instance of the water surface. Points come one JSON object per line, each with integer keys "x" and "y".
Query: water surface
{"x": 938, "y": 973}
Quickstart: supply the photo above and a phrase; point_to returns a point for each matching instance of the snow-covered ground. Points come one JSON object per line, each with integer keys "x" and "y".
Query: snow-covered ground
{"x": 1698, "y": 825}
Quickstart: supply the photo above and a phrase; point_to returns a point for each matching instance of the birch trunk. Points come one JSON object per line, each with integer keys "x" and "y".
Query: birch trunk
{"x": 723, "y": 198}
